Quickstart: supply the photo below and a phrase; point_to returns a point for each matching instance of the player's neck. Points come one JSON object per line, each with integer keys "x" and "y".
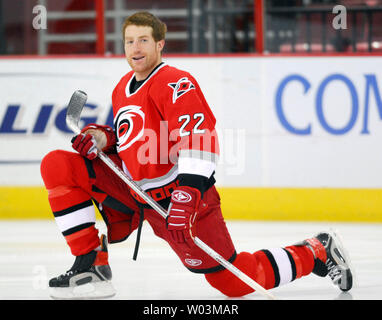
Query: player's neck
{"x": 139, "y": 76}
{"x": 145, "y": 75}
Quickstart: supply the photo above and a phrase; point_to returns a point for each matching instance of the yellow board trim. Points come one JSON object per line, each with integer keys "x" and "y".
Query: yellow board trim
{"x": 279, "y": 204}
{"x": 24, "y": 203}
{"x": 308, "y": 204}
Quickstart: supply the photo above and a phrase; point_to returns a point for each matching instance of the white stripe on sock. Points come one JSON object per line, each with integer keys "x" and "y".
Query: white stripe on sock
{"x": 283, "y": 263}
{"x": 76, "y": 218}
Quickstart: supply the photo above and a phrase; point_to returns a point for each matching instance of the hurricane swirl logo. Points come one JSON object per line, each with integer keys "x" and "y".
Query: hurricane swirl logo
{"x": 129, "y": 124}
{"x": 180, "y": 88}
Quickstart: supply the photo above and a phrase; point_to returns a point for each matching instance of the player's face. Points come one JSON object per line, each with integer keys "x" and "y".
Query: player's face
{"x": 142, "y": 52}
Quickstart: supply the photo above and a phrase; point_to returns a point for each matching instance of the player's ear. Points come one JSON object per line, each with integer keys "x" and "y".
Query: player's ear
{"x": 160, "y": 45}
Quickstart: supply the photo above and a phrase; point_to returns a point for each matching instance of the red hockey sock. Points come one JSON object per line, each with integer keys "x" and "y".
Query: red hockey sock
{"x": 72, "y": 207}
{"x": 227, "y": 283}
{"x": 269, "y": 268}
{"x": 76, "y": 222}
{"x": 83, "y": 241}
{"x": 303, "y": 258}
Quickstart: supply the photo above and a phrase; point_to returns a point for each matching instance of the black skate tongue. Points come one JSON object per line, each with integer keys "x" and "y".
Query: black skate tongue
{"x": 320, "y": 268}
{"x": 84, "y": 262}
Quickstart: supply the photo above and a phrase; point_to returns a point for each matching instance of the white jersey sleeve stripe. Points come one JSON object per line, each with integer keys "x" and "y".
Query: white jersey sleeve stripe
{"x": 198, "y": 154}
{"x": 196, "y": 166}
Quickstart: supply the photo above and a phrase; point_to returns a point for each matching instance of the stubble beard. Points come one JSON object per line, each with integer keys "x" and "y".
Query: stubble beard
{"x": 145, "y": 68}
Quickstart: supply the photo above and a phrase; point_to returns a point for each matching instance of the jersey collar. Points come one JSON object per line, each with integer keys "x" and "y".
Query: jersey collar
{"x": 155, "y": 70}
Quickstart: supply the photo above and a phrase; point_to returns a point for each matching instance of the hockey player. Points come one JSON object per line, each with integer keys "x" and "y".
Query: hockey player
{"x": 164, "y": 138}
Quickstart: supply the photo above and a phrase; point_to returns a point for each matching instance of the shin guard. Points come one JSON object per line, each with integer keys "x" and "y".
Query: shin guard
{"x": 71, "y": 205}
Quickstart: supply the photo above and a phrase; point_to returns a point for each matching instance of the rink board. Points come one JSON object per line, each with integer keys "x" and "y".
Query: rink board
{"x": 300, "y": 137}
{"x": 278, "y": 204}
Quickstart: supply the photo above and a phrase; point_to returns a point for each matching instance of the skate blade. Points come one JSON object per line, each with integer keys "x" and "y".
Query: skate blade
{"x": 93, "y": 290}
{"x": 350, "y": 272}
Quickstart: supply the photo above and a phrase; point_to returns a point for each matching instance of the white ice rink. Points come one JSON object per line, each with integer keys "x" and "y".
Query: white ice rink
{"x": 31, "y": 252}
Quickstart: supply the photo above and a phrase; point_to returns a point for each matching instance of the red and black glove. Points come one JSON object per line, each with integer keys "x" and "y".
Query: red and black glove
{"x": 86, "y": 145}
{"x": 182, "y": 212}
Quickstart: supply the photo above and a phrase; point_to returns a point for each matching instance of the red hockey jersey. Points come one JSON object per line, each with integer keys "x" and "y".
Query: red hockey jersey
{"x": 164, "y": 128}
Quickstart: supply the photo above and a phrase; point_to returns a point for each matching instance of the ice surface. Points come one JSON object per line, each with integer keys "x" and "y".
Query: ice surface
{"x": 32, "y": 252}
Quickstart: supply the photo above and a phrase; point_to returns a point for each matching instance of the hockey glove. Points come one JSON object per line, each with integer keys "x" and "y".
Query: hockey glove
{"x": 93, "y": 137}
{"x": 182, "y": 212}
{"x": 85, "y": 145}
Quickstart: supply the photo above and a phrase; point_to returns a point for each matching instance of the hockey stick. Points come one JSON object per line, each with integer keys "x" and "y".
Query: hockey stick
{"x": 74, "y": 110}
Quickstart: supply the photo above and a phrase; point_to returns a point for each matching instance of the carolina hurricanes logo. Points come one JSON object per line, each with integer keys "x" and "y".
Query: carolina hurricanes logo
{"x": 180, "y": 88}
{"x": 193, "y": 262}
{"x": 129, "y": 124}
{"x": 181, "y": 196}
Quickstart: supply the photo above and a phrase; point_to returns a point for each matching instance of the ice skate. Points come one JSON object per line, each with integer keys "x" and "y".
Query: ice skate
{"x": 337, "y": 265}
{"x": 88, "y": 278}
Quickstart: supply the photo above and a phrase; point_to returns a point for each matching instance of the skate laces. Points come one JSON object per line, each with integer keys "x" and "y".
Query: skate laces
{"x": 81, "y": 264}
{"x": 334, "y": 270}
{"x": 66, "y": 274}
{"x": 335, "y": 267}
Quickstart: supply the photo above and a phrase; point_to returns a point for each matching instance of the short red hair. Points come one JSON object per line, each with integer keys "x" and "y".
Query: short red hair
{"x": 146, "y": 19}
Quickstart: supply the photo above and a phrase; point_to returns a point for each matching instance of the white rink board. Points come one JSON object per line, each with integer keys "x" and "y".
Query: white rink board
{"x": 327, "y": 136}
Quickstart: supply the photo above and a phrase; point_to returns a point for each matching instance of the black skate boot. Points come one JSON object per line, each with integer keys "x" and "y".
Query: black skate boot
{"x": 337, "y": 264}
{"x": 88, "y": 278}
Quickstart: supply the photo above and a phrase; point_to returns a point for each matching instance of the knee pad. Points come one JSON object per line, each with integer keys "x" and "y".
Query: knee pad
{"x": 229, "y": 284}
{"x": 65, "y": 178}
{"x": 58, "y": 168}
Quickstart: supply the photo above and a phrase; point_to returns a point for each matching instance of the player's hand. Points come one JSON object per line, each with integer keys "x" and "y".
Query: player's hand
{"x": 85, "y": 145}
{"x": 92, "y": 138}
{"x": 181, "y": 212}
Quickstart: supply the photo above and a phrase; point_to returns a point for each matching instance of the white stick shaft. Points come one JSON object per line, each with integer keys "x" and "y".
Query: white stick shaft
{"x": 132, "y": 184}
